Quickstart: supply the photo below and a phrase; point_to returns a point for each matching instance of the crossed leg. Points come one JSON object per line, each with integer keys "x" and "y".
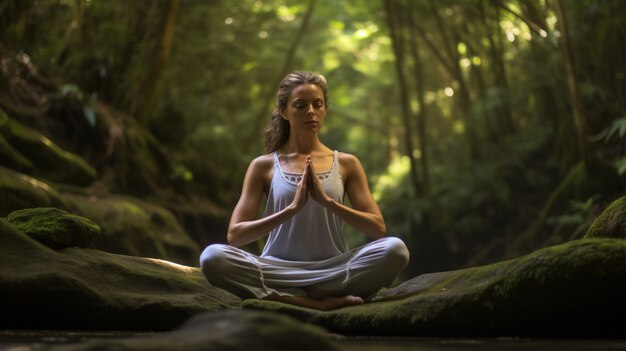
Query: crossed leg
{"x": 373, "y": 266}
{"x": 325, "y": 303}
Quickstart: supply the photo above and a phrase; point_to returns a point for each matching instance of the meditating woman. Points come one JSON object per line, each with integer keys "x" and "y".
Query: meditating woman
{"x": 306, "y": 260}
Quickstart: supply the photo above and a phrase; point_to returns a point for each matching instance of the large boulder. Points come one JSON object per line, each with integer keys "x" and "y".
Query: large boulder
{"x": 135, "y": 227}
{"x": 575, "y": 289}
{"x": 55, "y": 228}
{"x": 223, "y": 331}
{"x": 76, "y": 288}
{"x": 128, "y": 225}
{"x": 29, "y": 151}
{"x": 611, "y": 223}
{"x": 18, "y": 191}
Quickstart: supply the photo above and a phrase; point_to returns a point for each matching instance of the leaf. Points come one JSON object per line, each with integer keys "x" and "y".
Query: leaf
{"x": 620, "y": 165}
{"x": 67, "y": 89}
{"x": 618, "y": 126}
{"x": 90, "y": 115}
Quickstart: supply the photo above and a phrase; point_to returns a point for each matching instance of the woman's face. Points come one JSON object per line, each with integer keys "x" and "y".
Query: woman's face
{"x": 306, "y": 108}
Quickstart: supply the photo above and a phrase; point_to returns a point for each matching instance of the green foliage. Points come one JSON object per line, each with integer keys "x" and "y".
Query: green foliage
{"x": 73, "y": 89}
{"x": 497, "y": 135}
{"x": 620, "y": 165}
{"x": 615, "y": 132}
{"x": 618, "y": 126}
{"x": 577, "y": 216}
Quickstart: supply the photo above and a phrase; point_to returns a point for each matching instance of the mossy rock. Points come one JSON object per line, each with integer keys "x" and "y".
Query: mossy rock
{"x": 611, "y": 223}
{"x": 129, "y": 225}
{"x": 55, "y": 228}
{"x": 29, "y": 151}
{"x": 224, "y": 330}
{"x": 134, "y": 227}
{"x": 9, "y": 156}
{"x": 13, "y": 158}
{"x": 76, "y": 288}
{"x": 138, "y": 163}
{"x": 18, "y": 191}
{"x": 575, "y": 289}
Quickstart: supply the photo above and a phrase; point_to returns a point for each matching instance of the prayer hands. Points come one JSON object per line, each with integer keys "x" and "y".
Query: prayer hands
{"x": 302, "y": 193}
{"x": 309, "y": 186}
{"x": 316, "y": 191}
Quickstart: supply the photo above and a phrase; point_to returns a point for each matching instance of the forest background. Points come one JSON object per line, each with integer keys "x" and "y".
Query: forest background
{"x": 488, "y": 128}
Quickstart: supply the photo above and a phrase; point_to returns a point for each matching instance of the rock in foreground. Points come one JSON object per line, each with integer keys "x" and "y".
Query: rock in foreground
{"x": 129, "y": 226}
{"x": 74, "y": 288}
{"x": 55, "y": 228}
{"x": 223, "y": 331}
{"x": 575, "y": 289}
{"x": 611, "y": 223}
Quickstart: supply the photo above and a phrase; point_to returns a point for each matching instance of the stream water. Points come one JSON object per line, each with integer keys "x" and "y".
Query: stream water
{"x": 27, "y": 340}
{"x": 490, "y": 344}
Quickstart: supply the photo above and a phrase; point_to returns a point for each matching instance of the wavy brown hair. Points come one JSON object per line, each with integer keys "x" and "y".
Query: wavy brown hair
{"x": 277, "y": 132}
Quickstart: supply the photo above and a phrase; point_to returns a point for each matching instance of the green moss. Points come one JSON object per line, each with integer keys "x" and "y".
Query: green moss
{"x": 611, "y": 223}
{"x": 19, "y": 191}
{"x": 129, "y": 226}
{"x": 13, "y": 158}
{"x": 55, "y": 228}
{"x": 14, "y": 244}
{"x": 574, "y": 289}
{"x": 24, "y": 147}
{"x": 77, "y": 288}
{"x": 135, "y": 227}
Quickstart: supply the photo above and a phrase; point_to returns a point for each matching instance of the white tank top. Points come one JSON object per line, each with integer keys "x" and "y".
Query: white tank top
{"x": 314, "y": 233}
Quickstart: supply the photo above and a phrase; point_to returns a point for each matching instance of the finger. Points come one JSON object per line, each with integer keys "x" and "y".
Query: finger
{"x": 304, "y": 182}
{"x": 307, "y": 172}
{"x": 309, "y": 169}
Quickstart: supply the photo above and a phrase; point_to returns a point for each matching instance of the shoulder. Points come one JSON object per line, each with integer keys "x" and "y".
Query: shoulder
{"x": 348, "y": 160}
{"x": 349, "y": 164}
{"x": 261, "y": 165}
{"x": 262, "y": 161}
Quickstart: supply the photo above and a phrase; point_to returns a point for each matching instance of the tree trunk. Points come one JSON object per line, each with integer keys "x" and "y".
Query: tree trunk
{"x": 462, "y": 96}
{"x": 545, "y": 108}
{"x": 499, "y": 72}
{"x": 422, "y": 114}
{"x": 481, "y": 92}
{"x": 74, "y": 27}
{"x": 148, "y": 87}
{"x": 578, "y": 113}
{"x": 398, "y": 49}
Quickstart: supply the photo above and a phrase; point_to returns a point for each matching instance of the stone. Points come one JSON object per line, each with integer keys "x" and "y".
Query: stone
{"x": 611, "y": 223}
{"x": 18, "y": 191}
{"x": 223, "y": 331}
{"x": 128, "y": 225}
{"x": 29, "y": 151}
{"x": 135, "y": 227}
{"x": 87, "y": 289}
{"x": 574, "y": 289}
{"x": 55, "y": 228}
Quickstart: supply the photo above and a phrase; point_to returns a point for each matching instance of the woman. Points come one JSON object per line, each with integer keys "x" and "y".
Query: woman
{"x": 306, "y": 261}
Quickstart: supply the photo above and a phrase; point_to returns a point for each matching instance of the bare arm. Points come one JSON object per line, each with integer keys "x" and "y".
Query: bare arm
{"x": 244, "y": 227}
{"x": 364, "y": 215}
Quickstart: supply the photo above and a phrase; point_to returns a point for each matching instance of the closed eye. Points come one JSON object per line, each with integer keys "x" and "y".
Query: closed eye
{"x": 316, "y": 104}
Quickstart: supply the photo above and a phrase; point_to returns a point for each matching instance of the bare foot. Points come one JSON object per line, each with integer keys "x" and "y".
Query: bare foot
{"x": 326, "y": 303}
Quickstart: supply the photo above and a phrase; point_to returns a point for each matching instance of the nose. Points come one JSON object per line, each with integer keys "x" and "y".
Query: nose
{"x": 310, "y": 110}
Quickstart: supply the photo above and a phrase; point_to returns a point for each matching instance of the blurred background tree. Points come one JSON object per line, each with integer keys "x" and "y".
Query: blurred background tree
{"x": 488, "y": 128}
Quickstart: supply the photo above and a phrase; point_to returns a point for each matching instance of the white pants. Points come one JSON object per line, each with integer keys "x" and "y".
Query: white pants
{"x": 361, "y": 271}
